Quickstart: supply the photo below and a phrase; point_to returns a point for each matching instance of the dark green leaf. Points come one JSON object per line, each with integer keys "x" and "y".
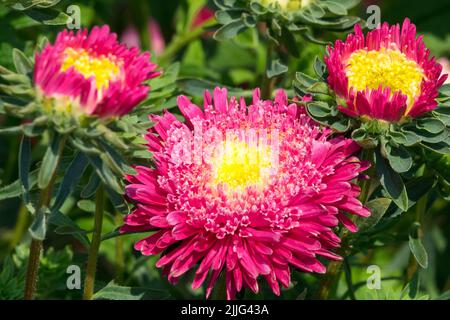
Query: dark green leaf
{"x": 399, "y": 158}
{"x": 276, "y": 69}
{"x": 71, "y": 177}
{"x": 230, "y": 30}
{"x": 392, "y": 182}
{"x": 50, "y": 161}
{"x": 115, "y": 292}
{"x": 39, "y": 226}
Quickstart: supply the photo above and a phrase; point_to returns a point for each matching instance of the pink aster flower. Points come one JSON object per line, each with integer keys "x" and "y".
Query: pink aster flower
{"x": 243, "y": 191}
{"x": 92, "y": 74}
{"x": 387, "y": 74}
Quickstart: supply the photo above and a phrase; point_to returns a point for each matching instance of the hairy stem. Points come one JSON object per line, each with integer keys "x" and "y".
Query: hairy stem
{"x": 36, "y": 245}
{"x": 95, "y": 245}
{"x": 120, "y": 259}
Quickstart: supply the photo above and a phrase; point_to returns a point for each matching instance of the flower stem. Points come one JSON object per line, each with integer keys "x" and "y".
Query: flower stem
{"x": 32, "y": 269}
{"x": 36, "y": 245}
{"x": 120, "y": 264}
{"x": 95, "y": 245}
{"x": 421, "y": 208}
{"x": 268, "y": 83}
{"x": 180, "y": 41}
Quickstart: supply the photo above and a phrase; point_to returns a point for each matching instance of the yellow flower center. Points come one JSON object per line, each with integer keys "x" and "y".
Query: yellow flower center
{"x": 102, "y": 68}
{"x": 290, "y": 5}
{"x": 239, "y": 165}
{"x": 388, "y": 68}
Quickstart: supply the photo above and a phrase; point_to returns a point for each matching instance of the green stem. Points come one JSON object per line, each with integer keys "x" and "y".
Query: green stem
{"x": 421, "y": 207}
{"x": 329, "y": 282}
{"x": 268, "y": 83}
{"x": 179, "y": 42}
{"x": 95, "y": 245}
{"x": 20, "y": 227}
{"x": 36, "y": 245}
{"x": 348, "y": 278}
{"x": 120, "y": 259}
{"x": 32, "y": 269}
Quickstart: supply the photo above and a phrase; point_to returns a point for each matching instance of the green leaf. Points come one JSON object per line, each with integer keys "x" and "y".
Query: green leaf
{"x": 445, "y": 90}
{"x": 378, "y": 208}
{"x": 230, "y": 30}
{"x": 105, "y": 174}
{"x": 21, "y": 62}
{"x": 72, "y": 175}
{"x": 24, "y": 169}
{"x": 416, "y": 189}
{"x": 14, "y": 189}
{"x": 196, "y": 87}
{"x": 50, "y": 17}
{"x": 62, "y": 221}
{"x": 39, "y": 226}
{"x": 418, "y": 250}
{"x": 414, "y": 285}
{"x": 318, "y": 109}
{"x": 399, "y": 158}
{"x": 444, "y": 296}
{"x": 50, "y": 161}
{"x": 115, "y": 292}
{"x": 336, "y": 8}
{"x": 319, "y": 67}
{"x": 391, "y": 182}
{"x": 406, "y": 138}
{"x": 86, "y": 205}
{"x": 431, "y": 125}
{"x": 440, "y": 147}
{"x": 91, "y": 187}
{"x": 276, "y": 69}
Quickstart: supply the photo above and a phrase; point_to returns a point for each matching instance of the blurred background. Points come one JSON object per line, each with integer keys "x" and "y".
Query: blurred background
{"x": 181, "y": 30}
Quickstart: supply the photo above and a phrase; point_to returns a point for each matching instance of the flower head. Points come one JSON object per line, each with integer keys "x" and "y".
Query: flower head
{"x": 289, "y": 5}
{"x": 386, "y": 75}
{"x": 92, "y": 74}
{"x": 243, "y": 191}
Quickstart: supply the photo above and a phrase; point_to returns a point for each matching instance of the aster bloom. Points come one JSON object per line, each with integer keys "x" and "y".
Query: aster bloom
{"x": 387, "y": 74}
{"x": 243, "y": 191}
{"x": 92, "y": 74}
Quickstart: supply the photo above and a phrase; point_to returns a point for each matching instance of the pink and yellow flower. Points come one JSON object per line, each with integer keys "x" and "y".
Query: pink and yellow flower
{"x": 92, "y": 74}
{"x": 242, "y": 192}
{"x": 387, "y": 74}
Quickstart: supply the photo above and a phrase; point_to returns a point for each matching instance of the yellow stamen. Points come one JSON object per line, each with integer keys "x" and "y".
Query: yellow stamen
{"x": 290, "y": 5}
{"x": 388, "y": 68}
{"x": 239, "y": 165}
{"x": 102, "y": 68}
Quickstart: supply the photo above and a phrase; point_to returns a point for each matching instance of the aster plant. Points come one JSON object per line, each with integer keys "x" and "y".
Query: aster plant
{"x": 382, "y": 88}
{"x": 75, "y": 93}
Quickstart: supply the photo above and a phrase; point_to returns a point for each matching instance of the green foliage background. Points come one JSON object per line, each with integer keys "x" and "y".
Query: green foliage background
{"x": 240, "y": 65}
